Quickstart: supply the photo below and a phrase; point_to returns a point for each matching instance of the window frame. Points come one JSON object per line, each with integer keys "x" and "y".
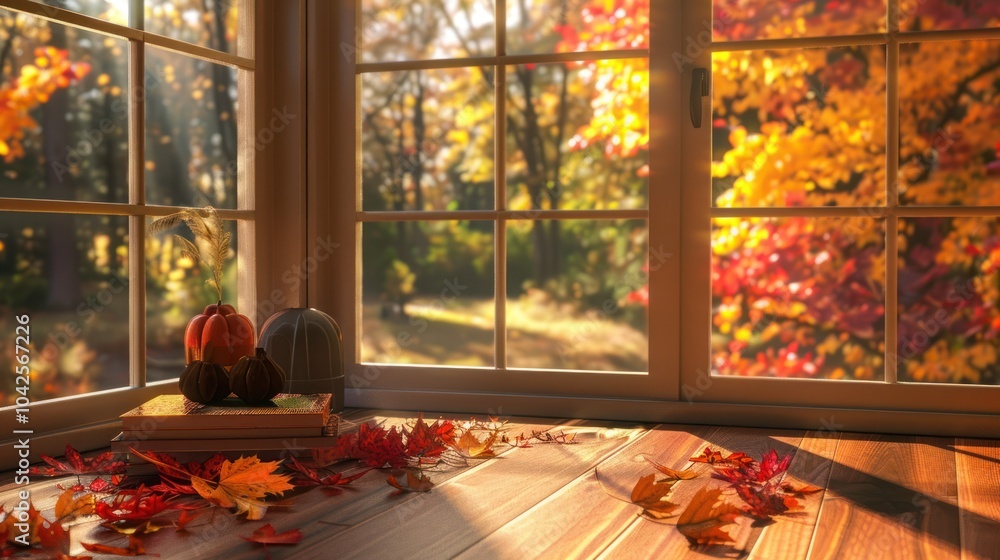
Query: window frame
{"x": 87, "y": 420}
{"x": 331, "y": 102}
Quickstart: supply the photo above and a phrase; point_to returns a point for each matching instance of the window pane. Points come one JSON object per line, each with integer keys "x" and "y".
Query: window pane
{"x": 949, "y": 123}
{"x": 428, "y": 293}
{"x": 69, "y": 274}
{"x": 208, "y": 23}
{"x": 545, "y": 26}
{"x": 928, "y": 15}
{"x": 177, "y": 289}
{"x": 63, "y": 112}
{"x": 577, "y": 295}
{"x": 427, "y": 140}
{"x": 191, "y": 142}
{"x": 743, "y": 20}
{"x": 115, "y": 11}
{"x": 425, "y": 29}
{"x": 948, "y": 300}
{"x": 578, "y": 135}
{"x": 799, "y": 128}
{"x": 798, "y": 297}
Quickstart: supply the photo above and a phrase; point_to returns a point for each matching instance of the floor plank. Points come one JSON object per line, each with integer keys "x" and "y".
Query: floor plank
{"x": 583, "y": 518}
{"x": 471, "y": 506}
{"x": 890, "y": 497}
{"x": 978, "y": 466}
{"x": 789, "y": 538}
{"x": 647, "y": 539}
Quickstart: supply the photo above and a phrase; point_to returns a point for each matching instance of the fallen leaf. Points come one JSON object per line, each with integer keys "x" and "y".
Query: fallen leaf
{"x": 68, "y": 506}
{"x": 135, "y": 548}
{"x": 266, "y": 535}
{"x": 714, "y": 457}
{"x": 105, "y": 463}
{"x": 186, "y": 518}
{"x": 52, "y": 536}
{"x": 244, "y": 484}
{"x": 800, "y": 491}
{"x": 703, "y": 518}
{"x": 672, "y": 475}
{"x": 648, "y": 494}
{"x": 62, "y": 556}
{"x": 470, "y": 446}
{"x": 414, "y": 483}
{"x": 175, "y": 478}
{"x": 310, "y": 477}
{"x": 765, "y": 501}
{"x": 140, "y": 504}
{"x": 428, "y": 440}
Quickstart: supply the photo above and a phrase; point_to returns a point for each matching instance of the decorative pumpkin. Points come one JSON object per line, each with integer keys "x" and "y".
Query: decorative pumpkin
{"x": 256, "y": 379}
{"x": 219, "y": 335}
{"x": 204, "y": 382}
{"x": 308, "y": 345}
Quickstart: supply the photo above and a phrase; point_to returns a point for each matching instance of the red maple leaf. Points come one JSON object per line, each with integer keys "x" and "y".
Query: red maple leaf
{"x": 310, "y": 477}
{"x": 765, "y": 501}
{"x": 266, "y": 535}
{"x": 378, "y": 447}
{"x": 105, "y": 463}
{"x": 428, "y": 440}
{"x": 140, "y": 504}
{"x": 175, "y": 477}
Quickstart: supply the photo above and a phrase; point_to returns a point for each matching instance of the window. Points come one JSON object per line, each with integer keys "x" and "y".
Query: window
{"x": 505, "y": 193}
{"x": 800, "y": 243}
{"x": 850, "y": 206}
{"x": 114, "y": 112}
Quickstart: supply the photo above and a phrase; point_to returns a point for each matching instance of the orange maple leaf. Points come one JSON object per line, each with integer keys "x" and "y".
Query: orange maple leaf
{"x": 134, "y": 548}
{"x": 672, "y": 475}
{"x": 702, "y": 520}
{"x": 244, "y": 484}
{"x": 648, "y": 494}
{"x": 414, "y": 483}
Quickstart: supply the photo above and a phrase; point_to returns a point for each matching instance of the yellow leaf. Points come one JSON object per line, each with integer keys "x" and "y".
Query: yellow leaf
{"x": 244, "y": 484}
{"x": 66, "y": 506}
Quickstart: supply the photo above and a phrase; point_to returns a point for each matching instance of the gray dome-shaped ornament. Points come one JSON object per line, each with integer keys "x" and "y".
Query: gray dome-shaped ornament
{"x": 309, "y": 346}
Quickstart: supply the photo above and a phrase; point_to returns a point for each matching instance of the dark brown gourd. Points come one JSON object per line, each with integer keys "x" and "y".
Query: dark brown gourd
{"x": 204, "y": 382}
{"x": 256, "y": 379}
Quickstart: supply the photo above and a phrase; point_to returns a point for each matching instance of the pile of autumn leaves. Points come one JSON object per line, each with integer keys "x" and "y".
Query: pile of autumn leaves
{"x": 185, "y": 491}
{"x": 758, "y": 485}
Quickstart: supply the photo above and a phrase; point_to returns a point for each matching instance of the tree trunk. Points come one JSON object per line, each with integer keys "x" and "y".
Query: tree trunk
{"x": 63, "y": 264}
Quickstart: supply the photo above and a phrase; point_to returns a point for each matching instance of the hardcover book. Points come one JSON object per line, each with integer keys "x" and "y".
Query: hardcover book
{"x": 174, "y": 412}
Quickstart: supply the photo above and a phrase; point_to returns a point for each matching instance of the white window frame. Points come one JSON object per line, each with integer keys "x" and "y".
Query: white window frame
{"x": 88, "y": 421}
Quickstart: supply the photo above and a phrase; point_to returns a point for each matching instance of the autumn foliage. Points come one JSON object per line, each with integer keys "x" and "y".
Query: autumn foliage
{"x": 52, "y": 70}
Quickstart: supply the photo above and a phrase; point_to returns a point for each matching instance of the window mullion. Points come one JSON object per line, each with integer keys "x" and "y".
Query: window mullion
{"x": 892, "y": 192}
{"x": 137, "y": 197}
{"x": 500, "y": 189}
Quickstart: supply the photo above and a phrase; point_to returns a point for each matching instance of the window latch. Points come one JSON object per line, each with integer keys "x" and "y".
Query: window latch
{"x": 699, "y": 89}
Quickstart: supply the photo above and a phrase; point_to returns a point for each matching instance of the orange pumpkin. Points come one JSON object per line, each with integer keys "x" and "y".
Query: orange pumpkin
{"x": 219, "y": 335}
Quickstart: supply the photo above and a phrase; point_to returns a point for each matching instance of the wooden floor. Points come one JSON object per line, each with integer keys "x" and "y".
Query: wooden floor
{"x": 884, "y": 497}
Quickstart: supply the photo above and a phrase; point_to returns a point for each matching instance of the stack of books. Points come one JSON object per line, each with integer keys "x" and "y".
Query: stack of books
{"x": 173, "y": 424}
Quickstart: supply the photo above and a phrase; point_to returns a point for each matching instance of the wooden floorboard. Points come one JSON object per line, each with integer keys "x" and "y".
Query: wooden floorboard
{"x": 882, "y": 497}
{"x": 812, "y": 465}
{"x": 890, "y": 497}
{"x": 978, "y": 465}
